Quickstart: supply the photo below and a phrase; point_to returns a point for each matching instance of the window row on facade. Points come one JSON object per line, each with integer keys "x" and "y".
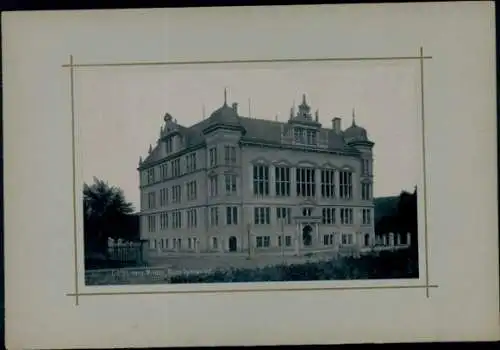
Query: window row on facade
{"x": 229, "y": 215}
{"x": 307, "y": 183}
{"x": 259, "y": 241}
{"x": 187, "y": 164}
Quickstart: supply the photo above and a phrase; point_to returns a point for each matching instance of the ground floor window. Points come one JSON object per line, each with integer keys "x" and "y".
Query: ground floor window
{"x": 214, "y": 243}
{"x": 263, "y": 241}
{"x": 288, "y": 241}
{"x": 346, "y": 238}
{"x": 328, "y": 239}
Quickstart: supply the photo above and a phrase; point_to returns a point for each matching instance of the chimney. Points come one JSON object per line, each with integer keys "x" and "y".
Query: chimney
{"x": 235, "y": 107}
{"x": 336, "y": 124}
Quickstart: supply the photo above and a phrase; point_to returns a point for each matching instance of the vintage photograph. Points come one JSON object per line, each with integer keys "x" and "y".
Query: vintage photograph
{"x": 249, "y": 173}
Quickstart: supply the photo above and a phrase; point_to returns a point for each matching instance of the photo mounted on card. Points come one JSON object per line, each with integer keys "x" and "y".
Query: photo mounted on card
{"x": 280, "y": 171}
{"x": 185, "y": 177}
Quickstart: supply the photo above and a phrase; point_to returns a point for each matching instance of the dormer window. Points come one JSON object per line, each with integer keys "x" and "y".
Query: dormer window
{"x": 305, "y": 136}
{"x": 169, "y": 145}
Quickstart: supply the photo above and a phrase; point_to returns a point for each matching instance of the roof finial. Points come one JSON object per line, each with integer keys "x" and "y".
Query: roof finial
{"x": 317, "y": 115}
{"x": 150, "y": 150}
{"x": 203, "y": 112}
{"x": 353, "y": 117}
{"x": 249, "y": 107}
{"x": 225, "y": 96}
{"x": 276, "y": 117}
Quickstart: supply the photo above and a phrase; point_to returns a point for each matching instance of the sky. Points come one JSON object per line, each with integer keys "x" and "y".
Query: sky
{"x": 120, "y": 110}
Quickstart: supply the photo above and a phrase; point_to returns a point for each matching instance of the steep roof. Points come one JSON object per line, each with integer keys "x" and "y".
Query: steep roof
{"x": 253, "y": 130}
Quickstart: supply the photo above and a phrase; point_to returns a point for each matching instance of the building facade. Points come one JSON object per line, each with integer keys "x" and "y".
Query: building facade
{"x": 240, "y": 184}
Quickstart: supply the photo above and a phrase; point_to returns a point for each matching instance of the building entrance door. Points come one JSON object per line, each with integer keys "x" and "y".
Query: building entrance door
{"x": 232, "y": 244}
{"x": 307, "y": 235}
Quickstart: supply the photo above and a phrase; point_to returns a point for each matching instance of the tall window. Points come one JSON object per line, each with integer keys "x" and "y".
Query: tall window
{"x": 169, "y": 145}
{"x": 215, "y": 243}
{"x": 229, "y": 155}
{"x": 262, "y": 216}
{"x": 328, "y": 239}
{"x": 346, "y": 216}
{"x": 152, "y": 200}
{"x": 176, "y": 194}
{"x": 214, "y": 216}
{"x": 261, "y": 180}
{"x": 306, "y": 186}
{"x": 328, "y": 216}
{"x": 345, "y": 179}
{"x": 176, "y": 167}
{"x": 231, "y": 215}
{"x": 366, "y": 216}
{"x": 213, "y": 157}
{"x": 191, "y": 162}
{"x": 366, "y": 167}
{"x": 152, "y": 223}
{"x": 164, "y": 171}
{"x": 212, "y": 186}
{"x": 151, "y": 176}
{"x": 176, "y": 219}
{"x": 191, "y": 190}
{"x": 366, "y": 191}
{"x": 328, "y": 183}
{"x": 163, "y": 197}
{"x": 282, "y": 175}
{"x": 192, "y": 219}
{"x": 163, "y": 220}
{"x": 230, "y": 181}
{"x": 284, "y": 214}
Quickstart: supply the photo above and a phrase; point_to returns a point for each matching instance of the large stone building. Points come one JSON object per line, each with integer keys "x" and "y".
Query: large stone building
{"x": 282, "y": 186}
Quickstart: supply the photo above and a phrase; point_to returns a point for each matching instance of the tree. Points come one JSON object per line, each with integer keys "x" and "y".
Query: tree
{"x": 106, "y": 214}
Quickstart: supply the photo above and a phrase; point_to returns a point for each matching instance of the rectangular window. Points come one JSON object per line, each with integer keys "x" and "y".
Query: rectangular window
{"x": 328, "y": 239}
{"x": 215, "y": 243}
{"x": 367, "y": 216}
{"x": 345, "y": 184}
{"x": 306, "y": 186}
{"x": 152, "y": 223}
{"x": 230, "y": 181}
{"x": 212, "y": 186}
{"x": 176, "y": 219}
{"x": 214, "y": 216}
{"x": 213, "y": 157}
{"x": 346, "y": 216}
{"x": 328, "y": 183}
{"x": 366, "y": 191}
{"x": 231, "y": 215}
{"x": 282, "y": 175}
{"x": 176, "y": 167}
{"x": 263, "y": 241}
{"x": 229, "y": 155}
{"x": 328, "y": 216}
{"x": 151, "y": 176}
{"x": 288, "y": 241}
{"x": 164, "y": 171}
{"x": 163, "y": 221}
{"x": 262, "y": 216}
{"x": 366, "y": 167}
{"x": 192, "y": 219}
{"x": 280, "y": 238}
{"x": 261, "y": 180}
{"x": 163, "y": 197}
{"x": 191, "y": 162}
{"x": 169, "y": 145}
{"x": 191, "y": 190}
{"x": 176, "y": 194}
{"x": 284, "y": 214}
